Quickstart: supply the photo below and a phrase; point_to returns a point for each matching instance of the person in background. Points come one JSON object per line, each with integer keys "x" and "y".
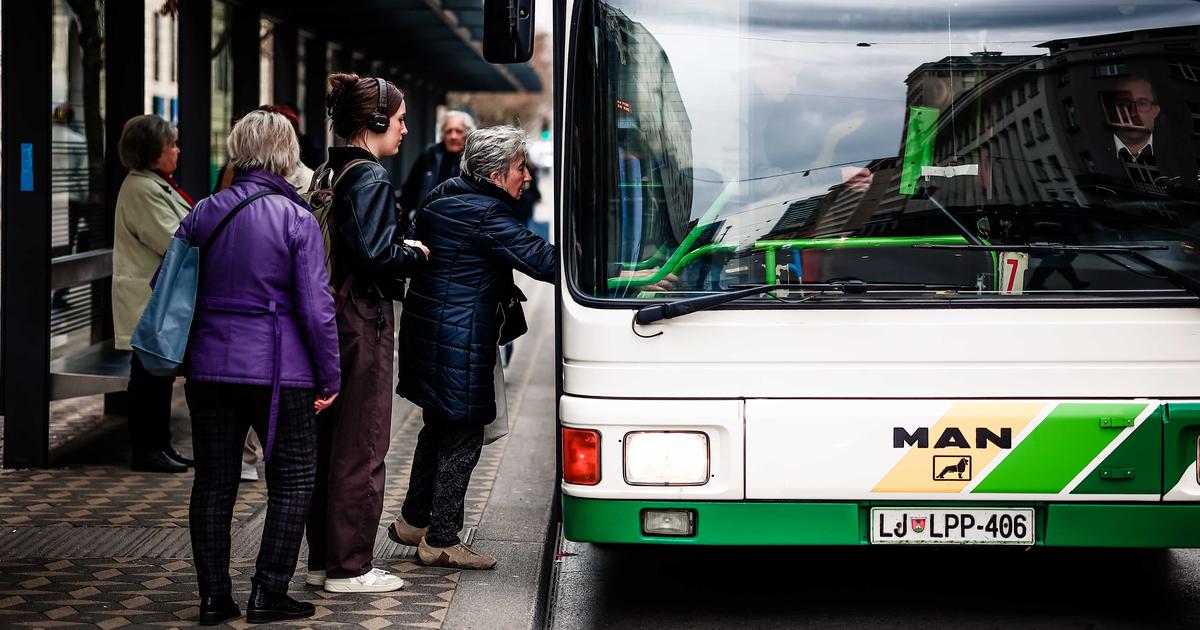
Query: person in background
{"x": 263, "y": 278}
{"x": 150, "y": 206}
{"x": 438, "y": 162}
{"x": 449, "y": 329}
{"x": 370, "y": 260}
{"x": 301, "y": 175}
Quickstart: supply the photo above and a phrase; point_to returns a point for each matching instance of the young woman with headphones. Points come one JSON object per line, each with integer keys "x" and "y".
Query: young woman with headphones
{"x": 370, "y": 261}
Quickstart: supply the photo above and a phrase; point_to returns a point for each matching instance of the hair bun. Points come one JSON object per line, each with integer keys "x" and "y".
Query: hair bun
{"x": 342, "y": 80}
{"x": 338, "y": 83}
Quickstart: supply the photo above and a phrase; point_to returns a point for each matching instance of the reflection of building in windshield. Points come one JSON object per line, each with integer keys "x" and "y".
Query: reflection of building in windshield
{"x": 654, "y": 140}
{"x": 1046, "y": 132}
{"x": 1050, "y": 130}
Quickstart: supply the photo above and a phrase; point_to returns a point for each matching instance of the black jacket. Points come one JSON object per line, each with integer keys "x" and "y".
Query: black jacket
{"x": 451, "y": 318}
{"x": 423, "y": 177}
{"x": 369, "y": 228}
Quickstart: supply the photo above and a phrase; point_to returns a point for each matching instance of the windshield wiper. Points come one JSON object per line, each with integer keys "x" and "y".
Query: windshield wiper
{"x": 1132, "y": 252}
{"x": 656, "y": 312}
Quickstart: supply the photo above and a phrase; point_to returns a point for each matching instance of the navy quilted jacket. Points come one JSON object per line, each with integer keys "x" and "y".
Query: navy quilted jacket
{"x": 451, "y": 317}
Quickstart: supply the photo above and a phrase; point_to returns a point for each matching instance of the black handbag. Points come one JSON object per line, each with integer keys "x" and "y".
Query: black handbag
{"x": 512, "y": 316}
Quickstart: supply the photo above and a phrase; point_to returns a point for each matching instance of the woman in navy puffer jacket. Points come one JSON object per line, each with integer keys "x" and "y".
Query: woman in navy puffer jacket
{"x": 449, "y": 331}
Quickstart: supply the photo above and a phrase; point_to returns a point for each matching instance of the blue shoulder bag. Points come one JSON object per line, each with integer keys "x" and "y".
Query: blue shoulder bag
{"x": 161, "y": 337}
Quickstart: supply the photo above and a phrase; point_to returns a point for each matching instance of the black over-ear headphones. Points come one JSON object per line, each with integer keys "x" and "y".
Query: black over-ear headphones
{"x": 380, "y": 121}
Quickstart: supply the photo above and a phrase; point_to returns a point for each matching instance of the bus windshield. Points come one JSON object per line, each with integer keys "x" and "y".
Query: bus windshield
{"x": 719, "y": 144}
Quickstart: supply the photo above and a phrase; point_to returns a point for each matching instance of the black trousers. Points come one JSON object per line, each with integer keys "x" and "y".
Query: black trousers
{"x": 221, "y": 415}
{"x": 149, "y": 409}
{"x": 446, "y": 456}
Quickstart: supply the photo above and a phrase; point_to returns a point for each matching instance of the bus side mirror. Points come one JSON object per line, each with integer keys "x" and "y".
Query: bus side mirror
{"x": 507, "y": 30}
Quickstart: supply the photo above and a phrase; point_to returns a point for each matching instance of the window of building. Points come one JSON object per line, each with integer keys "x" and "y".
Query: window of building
{"x": 1027, "y": 127}
{"x": 156, "y": 45}
{"x": 1008, "y": 103}
{"x": 1064, "y": 77}
{"x": 173, "y": 41}
{"x": 1033, "y": 88}
{"x": 1056, "y": 168}
{"x": 1021, "y": 95}
{"x": 1107, "y": 53}
{"x": 1195, "y": 109}
{"x": 1069, "y": 115}
{"x": 1039, "y": 121}
{"x": 1112, "y": 70}
{"x": 266, "y": 61}
{"x": 1039, "y": 168}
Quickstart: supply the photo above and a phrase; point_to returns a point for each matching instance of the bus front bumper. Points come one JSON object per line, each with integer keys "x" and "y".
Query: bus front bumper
{"x": 847, "y": 523}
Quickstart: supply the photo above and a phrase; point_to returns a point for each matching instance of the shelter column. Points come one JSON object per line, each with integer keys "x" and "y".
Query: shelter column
{"x": 244, "y": 47}
{"x": 26, "y": 232}
{"x": 195, "y": 95}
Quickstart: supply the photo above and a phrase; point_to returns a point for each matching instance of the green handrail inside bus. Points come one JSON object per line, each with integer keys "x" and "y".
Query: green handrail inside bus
{"x": 718, "y": 204}
{"x": 654, "y": 260}
{"x": 771, "y": 247}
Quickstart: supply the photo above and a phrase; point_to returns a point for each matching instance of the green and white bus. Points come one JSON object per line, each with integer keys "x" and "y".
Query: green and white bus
{"x": 848, "y": 272}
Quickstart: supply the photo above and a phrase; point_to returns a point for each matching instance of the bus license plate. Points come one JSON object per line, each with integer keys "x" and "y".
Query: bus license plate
{"x": 951, "y": 526}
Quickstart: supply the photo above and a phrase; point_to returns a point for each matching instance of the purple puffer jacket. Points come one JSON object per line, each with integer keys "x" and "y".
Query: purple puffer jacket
{"x": 264, "y": 315}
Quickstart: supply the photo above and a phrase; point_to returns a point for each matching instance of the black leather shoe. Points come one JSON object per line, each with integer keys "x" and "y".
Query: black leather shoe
{"x": 266, "y": 607}
{"x": 157, "y": 461}
{"x": 217, "y": 610}
{"x": 179, "y": 457}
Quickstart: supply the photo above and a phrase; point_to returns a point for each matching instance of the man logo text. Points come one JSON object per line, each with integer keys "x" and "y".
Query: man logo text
{"x": 951, "y": 437}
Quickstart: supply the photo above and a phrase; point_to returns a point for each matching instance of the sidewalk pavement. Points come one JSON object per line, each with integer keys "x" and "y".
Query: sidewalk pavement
{"x": 91, "y": 543}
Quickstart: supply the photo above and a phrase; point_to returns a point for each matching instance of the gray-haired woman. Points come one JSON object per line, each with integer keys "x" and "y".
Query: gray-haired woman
{"x": 150, "y": 206}
{"x": 451, "y": 324}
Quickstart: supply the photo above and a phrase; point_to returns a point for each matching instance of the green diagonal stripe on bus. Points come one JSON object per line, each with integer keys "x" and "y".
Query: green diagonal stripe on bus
{"x": 1059, "y": 448}
{"x": 1141, "y": 453}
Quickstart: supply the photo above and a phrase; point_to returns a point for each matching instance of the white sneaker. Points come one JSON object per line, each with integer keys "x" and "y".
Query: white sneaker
{"x": 373, "y": 581}
{"x": 315, "y": 578}
{"x": 249, "y": 472}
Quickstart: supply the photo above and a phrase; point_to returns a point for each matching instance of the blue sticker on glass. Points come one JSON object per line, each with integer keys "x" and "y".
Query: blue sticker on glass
{"x": 26, "y": 167}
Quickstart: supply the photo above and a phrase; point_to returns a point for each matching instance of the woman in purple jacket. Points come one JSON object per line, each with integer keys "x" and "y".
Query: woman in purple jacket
{"x": 263, "y": 353}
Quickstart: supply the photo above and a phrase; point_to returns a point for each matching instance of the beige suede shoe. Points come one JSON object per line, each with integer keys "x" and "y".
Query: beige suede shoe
{"x": 402, "y": 533}
{"x": 459, "y": 556}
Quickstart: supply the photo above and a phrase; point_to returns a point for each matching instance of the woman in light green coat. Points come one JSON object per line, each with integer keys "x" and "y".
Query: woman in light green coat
{"x": 150, "y": 207}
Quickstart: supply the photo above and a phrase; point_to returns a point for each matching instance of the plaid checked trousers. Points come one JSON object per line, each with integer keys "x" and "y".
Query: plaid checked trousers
{"x": 221, "y": 415}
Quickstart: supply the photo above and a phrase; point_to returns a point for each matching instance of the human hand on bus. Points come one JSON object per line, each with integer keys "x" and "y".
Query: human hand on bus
{"x": 321, "y": 404}
{"x": 666, "y": 283}
{"x": 418, "y": 245}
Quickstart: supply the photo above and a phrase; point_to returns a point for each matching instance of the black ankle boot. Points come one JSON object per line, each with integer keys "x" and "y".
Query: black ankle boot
{"x": 215, "y": 610}
{"x": 266, "y": 607}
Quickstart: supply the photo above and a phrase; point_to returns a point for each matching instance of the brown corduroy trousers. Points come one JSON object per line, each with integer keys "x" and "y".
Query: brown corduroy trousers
{"x": 352, "y": 440}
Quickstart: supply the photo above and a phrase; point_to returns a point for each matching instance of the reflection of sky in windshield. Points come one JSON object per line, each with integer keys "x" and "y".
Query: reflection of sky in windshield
{"x": 776, "y": 87}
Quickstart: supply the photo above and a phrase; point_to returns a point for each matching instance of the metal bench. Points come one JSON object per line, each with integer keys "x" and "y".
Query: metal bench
{"x": 98, "y": 369}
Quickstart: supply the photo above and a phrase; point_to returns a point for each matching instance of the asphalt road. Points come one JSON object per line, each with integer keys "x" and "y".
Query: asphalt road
{"x": 676, "y": 587}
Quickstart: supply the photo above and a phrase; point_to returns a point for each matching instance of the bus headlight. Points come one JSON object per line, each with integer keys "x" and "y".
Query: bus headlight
{"x": 666, "y": 458}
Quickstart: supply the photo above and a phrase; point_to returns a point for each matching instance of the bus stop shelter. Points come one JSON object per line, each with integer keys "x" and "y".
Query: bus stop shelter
{"x": 75, "y": 70}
